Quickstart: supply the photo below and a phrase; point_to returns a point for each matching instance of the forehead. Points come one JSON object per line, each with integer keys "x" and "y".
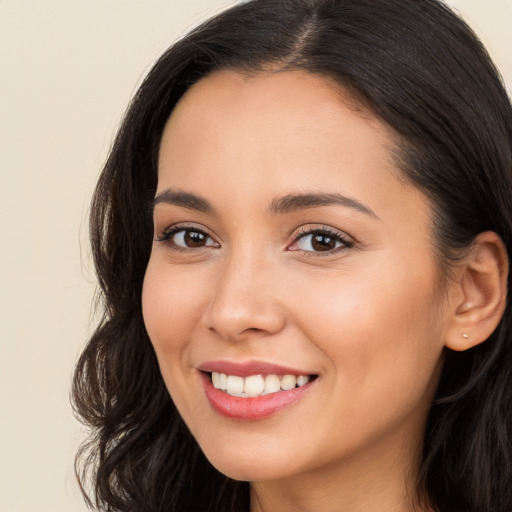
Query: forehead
{"x": 271, "y": 114}
{"x": 289, "y": 87}
{"x": 277, "y": 133}
{"x": 301, "y": 100}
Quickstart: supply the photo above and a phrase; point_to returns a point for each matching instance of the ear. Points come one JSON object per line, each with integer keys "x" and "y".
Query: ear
{"x": 480, "y": 293}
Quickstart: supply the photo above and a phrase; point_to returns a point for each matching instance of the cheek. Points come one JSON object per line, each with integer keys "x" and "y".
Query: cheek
{"x": 171, "y": 309}
{"x": 382, "y": 338}
{"x": 378, "y": 326}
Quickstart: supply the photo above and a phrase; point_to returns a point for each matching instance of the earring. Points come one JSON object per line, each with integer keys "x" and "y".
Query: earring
{"x": 465, "y": 335}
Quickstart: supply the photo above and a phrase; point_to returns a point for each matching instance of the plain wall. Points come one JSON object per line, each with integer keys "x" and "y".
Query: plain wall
{"x": 67, "y": 71}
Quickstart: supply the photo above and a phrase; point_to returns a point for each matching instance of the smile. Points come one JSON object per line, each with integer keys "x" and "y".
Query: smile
{"x": 256, "y": 385}
{"x": 255, "y": 390}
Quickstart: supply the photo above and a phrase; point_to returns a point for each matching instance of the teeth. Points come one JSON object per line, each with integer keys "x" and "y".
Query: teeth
{"x": 235, "y": 385}
{"x": 288, "y": 382}
{"x": 302, "y": 379}
{"x": 257, "y": 385}
{"x": 272, "y": 384}
{"x": 215, "y": 380}
{"x": 223, "y": 381}
{"x": 254, "y": 385}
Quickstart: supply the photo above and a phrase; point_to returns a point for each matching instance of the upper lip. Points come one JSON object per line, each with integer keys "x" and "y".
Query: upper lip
{"x": 244, "y": 369}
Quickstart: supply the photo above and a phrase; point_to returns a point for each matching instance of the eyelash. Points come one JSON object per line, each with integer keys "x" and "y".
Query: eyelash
{"x": 335, "y": 235}
{"x": 167, "y": 235}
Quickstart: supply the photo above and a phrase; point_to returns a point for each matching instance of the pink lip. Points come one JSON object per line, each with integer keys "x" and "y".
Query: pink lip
{"x": 255, "y": 408}
{"x": 249, "y": 368}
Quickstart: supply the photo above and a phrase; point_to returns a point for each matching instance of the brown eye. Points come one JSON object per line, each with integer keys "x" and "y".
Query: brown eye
{"x": 323, "y": 242}
{"x": 317, "y": 241}
{"x": 188, "y": 238}
{"x": 195, "y": 239}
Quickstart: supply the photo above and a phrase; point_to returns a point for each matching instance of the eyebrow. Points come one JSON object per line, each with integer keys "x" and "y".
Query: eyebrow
{"x": 292, "y": 203}
{"x": 287, "y": 204}
{"x": 183, "y": 199}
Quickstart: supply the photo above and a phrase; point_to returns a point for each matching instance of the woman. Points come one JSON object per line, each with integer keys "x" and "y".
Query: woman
{"x": 302, "y": 236}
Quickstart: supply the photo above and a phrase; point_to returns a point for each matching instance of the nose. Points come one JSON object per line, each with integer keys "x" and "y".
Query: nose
{"x": 245, "y": 301}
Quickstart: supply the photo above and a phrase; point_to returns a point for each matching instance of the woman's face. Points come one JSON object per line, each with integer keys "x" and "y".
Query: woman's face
{"x": 286, "y": 243}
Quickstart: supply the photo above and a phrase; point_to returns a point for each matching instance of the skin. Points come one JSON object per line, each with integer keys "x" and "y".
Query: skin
{"x": 370, "y": 319}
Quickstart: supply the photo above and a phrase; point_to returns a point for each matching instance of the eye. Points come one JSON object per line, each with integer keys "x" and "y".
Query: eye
{"x": 320, "y": 241}
{"x": 187, "y": 238}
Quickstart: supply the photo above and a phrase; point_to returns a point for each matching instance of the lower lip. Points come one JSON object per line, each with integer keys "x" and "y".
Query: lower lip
{"x": 254, "y": 408}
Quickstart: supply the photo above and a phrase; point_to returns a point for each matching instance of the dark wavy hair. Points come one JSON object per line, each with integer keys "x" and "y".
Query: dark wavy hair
{"x": 418, "y": 67}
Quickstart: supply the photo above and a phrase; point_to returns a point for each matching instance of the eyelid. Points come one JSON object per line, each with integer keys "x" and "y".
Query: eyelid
{"x": 312, "y": 229}
{"x": 346, "y": 240}
{"x": 167, "y": 233}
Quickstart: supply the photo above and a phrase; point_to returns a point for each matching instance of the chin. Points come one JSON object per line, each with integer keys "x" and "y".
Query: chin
{"x": 250, "y": 473}
{"x": 251, "y": 467}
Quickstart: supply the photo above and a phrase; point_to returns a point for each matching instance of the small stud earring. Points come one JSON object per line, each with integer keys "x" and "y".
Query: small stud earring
{"x": 465, "y": 335}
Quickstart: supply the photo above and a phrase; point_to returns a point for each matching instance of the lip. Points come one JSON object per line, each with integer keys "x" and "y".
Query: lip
{"x": 250, "y": 408}
{"x": 244, "y": 369}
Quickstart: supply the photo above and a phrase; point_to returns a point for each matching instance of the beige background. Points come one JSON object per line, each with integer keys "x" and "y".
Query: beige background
{"x": 67, "y": 71}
